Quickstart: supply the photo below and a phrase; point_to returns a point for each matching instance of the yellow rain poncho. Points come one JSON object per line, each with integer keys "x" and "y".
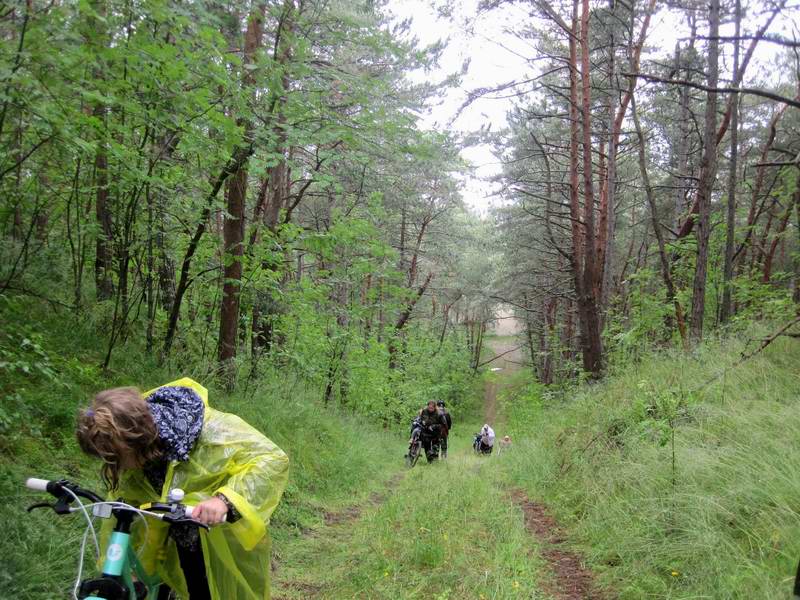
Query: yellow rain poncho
{"x": 232, "y": 458}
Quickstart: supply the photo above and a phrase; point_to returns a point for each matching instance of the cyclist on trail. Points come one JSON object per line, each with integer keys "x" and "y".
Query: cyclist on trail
{"x": 448, "y": 426}
{"x": 430, "y": 423}
{"x": 170, "y": 438}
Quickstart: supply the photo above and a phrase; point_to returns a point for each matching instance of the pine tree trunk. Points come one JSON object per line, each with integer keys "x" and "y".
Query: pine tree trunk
{"x": 103, "y": 262}
{"x": 233, "y": 229}
{"x": 730, "y": 221}
{"x": 593, "y": 352}
{"x": 708, "y": 172}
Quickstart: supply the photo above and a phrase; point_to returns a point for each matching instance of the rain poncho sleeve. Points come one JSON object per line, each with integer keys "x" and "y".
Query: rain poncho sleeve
{"x": 257, "y": 478}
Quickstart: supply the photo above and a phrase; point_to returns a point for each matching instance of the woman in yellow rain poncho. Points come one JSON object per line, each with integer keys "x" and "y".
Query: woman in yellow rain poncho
{"x": 170, "y": 438}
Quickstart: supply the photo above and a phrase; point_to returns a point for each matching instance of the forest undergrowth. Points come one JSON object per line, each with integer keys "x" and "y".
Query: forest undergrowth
{"x": 335, "y": 459}
{"x": 677, "y": 475}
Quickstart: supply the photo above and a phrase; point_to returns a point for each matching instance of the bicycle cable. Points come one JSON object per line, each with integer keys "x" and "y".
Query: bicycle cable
{"x": 140, "y": 513}
{"x": 81, "y": 556}
{"x": 90, "y": 524}
{"x": 116, "y": 504}
{"x": 77, "y": 585}
{"x": 90, "y": 527}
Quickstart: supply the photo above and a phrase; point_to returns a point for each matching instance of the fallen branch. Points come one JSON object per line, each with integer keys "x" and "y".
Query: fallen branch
{"x": 486, "y": 362}
{"x": 747, "y": 356}
{"x": 767, "y": 341}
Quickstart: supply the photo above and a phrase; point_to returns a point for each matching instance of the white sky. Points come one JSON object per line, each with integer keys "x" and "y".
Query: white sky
{"x": 496, "y": 57}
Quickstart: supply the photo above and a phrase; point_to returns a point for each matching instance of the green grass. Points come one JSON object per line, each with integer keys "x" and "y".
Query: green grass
{"x": 720, "y": 520}
{"x": 447, "y": 530}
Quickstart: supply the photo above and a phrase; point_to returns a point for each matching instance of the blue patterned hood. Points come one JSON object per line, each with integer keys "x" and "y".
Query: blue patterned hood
{"x": 178, "y": 413}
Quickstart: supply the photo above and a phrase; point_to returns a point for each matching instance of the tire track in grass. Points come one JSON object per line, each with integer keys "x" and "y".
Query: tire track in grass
{"x": 571, "y": 579}
{"x": 331, "y": 520}
{"x": 353, "y": 512}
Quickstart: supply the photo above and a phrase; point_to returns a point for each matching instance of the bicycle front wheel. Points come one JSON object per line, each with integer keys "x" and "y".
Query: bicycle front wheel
{"x": 413, "y": 455}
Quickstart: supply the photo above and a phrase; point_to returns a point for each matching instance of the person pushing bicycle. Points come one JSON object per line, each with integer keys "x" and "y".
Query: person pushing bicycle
{"x": 431, "y": 424}
{"x": 171, "y": 438}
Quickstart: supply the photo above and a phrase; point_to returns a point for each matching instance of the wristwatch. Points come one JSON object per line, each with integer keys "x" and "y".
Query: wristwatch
{"x": 233, "y": 514}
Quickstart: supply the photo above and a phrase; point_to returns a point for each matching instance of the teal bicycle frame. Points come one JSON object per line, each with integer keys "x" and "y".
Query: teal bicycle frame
{"x": 122, "y": 563}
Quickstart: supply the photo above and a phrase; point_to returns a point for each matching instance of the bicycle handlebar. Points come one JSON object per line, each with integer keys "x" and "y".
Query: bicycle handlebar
{"x": 63, "y": 490}
{"x": 57, "y": 489}
{"x": 188, "y": 510}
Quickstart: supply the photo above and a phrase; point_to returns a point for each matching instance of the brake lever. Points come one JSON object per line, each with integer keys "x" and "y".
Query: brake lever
{"x": 61, "y": 507}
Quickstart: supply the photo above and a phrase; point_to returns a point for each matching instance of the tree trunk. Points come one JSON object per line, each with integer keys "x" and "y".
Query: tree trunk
{"x": 755, "y": 210}
{"x": 240, "y": 156}
{"x": 708, "y": 172}
{"x": 769, "y": 256}
{"x": 688, "y": 224}
{"x": 549, "y": 309}
{"x": 275, "y": 187}
{"x": 730, "y": 221}
{"x": 681, "y": 145}
{"x": 666, "y": 270}
{"x": 103, "y": 262}
{"x": 233, "y": 228}
{"x": 233, "y": 234}
{"x": 405, "y": 315}
{"x": 579, "y": 229}
{"x": 594, "y": 350}
{"x": 607, "y": 211}
{"x": 796, "y": 291}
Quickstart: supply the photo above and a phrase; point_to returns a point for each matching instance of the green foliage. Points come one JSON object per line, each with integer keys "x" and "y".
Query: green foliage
{"x": 763, "y": 301}
{"x": 642, "y": 322}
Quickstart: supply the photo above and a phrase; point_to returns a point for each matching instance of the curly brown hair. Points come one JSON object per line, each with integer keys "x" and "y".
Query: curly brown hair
{"x": 119, "y": 429}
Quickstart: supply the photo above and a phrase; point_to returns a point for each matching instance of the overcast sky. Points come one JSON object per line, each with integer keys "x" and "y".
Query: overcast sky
{"x": 496, "y": 57}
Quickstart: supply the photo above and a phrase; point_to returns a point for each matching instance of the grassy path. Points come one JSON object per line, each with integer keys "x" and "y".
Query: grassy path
{"x": 445, "y": 531}
{"x": 451, "y": 530}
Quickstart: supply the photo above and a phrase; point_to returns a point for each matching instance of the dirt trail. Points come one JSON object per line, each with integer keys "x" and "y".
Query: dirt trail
{"x": 509, "y": 358}
{"x": 490, "y": 402}
{"x": 571, "y": 580}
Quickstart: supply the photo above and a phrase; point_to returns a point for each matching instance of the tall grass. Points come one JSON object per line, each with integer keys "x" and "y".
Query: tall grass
{"x": 675, "y": 487}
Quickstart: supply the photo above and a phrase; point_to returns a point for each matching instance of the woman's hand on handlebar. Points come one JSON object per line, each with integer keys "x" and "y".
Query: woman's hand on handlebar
{"x": 210, "y": 512}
